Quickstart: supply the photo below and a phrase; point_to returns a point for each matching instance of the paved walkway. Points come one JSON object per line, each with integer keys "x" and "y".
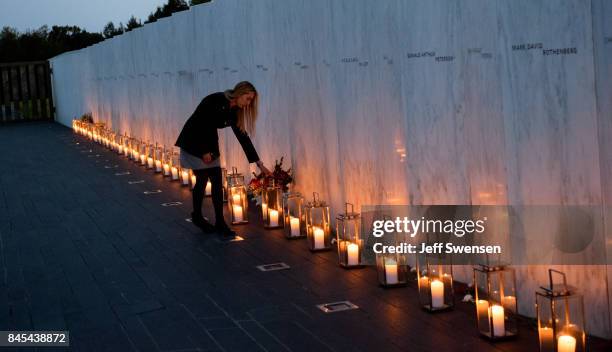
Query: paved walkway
{"x": 81, "y": 249}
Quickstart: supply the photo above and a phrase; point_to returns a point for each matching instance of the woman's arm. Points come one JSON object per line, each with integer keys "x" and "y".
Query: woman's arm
{"x": 249, "y": 149}
{"x": 246, "y": 143}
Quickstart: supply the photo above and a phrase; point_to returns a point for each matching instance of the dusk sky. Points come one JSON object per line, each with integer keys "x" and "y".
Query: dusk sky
{"x": 91, "y": 15}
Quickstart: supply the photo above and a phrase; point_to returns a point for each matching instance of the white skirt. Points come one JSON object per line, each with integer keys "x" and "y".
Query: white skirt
{"x": 192, "y": 162}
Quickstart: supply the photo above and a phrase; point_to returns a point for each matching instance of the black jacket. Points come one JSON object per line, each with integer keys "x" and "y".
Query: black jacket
{"x": 199, "y": 135}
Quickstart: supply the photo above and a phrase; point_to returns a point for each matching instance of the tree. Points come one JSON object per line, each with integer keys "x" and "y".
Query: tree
{"x": 42, "y": 43}
{"x": 132, "y": 23}
{"x": 167, "y": 10}
{"x": 110, "y": 30}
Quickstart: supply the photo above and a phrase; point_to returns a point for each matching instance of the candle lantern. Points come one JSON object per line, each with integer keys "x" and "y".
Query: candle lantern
{"x": 166, "y": 162}
{"x": 318, "y": 229}
{"x": 272, "y": 198}
{"x": 185, "y": 176}
{"x": 294, "y": 217}
{"x": 392, "y": 268}
{"x": 150, "y": 156}
{"x": 135, "y": 150}
{"x": 118, "y": 142}
{"x": 435, "y": 281}
{"x": 127, "y": 145}
{"x": 101, "y": 135}
{"x": 348, "y": 237}
{"x": 496, "y": 301}
{"x": 112, "y": 141}
{"x": 144, "y": 148}
{"x": 109, "y": 139}
{"x": 174, "y": 165}
{"x": 158, "y": 157}
{"x": 560, "y": 312}
{"x": 237, "y": 197}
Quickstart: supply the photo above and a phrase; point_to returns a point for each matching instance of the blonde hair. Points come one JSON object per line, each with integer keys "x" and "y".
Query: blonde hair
{"x": 247, "y": 116}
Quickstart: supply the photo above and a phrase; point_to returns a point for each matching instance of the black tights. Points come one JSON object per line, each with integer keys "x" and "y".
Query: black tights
{"x": 202, "y": 177}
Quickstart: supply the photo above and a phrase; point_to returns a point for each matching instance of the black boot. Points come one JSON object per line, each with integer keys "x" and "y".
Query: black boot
{"x": 199, "y": 221}
{"x": 225, "y": 231}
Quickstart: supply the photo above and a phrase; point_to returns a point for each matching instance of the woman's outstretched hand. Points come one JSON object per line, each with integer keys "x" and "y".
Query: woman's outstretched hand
{"x": 263, "y": 169}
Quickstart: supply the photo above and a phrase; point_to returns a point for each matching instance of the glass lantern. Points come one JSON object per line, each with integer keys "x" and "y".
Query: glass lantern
{"x": 127, "y": 146}
{"x": 144, "y": 147}
{"x": 158, "y": 158}
{"x": 174, "y": 165}
{"x": 150, "y": 156}
{"x": 292, "y": 209}
{"x": 392, "y": 268}
{"x": 318, "y": 230}
{"x": 166, "y": 162}
{"x": 435, "y": 281}
{"x": 272, "y": 199}
{"x": 185, "y": 175}
{"x": 560, "y": 313}
{"x": 348, "y": 237}
{"x": 112, "y": 141}
{"x": 238, "y": 202}
{"x": 135, "y": 150}
{"x": 496, "y": 301}
{"x": 108, "y": 136}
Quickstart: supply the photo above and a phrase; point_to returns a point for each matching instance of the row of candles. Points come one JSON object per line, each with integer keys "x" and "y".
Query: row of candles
{"x": 153, "y": 156}
{"x": 560, "y": 312}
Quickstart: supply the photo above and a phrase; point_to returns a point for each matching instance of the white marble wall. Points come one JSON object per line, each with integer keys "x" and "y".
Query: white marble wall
{"x": 360, "y": 121}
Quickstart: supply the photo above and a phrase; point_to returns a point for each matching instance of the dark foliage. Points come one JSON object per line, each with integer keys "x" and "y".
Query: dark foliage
{"x": 42, "y": 43}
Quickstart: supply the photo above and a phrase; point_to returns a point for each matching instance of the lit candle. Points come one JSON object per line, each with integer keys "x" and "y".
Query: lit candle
{"x": 497, "y": 313}
{"x": 566, "y": 343}
{"x": 546, "y": 339}
{"x": 166, "y": 169}
{"x": 237, "y": 213}
{"x": 264, "y": 210}
{"x": 208, "y": 187}
{"x": 175, "y": 173}
{"x": 437, "y": 294}
{"x": 193, "y": 181}
{"x": 273, "y": 217}
{"x": 135, "y": 155}
{"x": 319, "y": 237}
{"x": 352, "y": 251}
{"x": 185, "y": 177}
{"x": 143, "y": 159}
{"x": 236, "y": 199}
{"x": 158, "y": 166}
{"x": 295, "y": 226}
{"x": 482, "y": 312}
{"x": 391, "y": 272}
{"x": 150, "y": 162}
{"x": 120, "y": 149}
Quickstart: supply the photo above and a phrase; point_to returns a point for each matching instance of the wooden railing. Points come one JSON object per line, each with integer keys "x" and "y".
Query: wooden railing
{"x": 25, "y": 91}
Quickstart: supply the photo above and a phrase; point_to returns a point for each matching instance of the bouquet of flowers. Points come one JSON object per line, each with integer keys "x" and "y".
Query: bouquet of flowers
{"x": 279, "y": 177}
{"x": 87, "y": 117}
